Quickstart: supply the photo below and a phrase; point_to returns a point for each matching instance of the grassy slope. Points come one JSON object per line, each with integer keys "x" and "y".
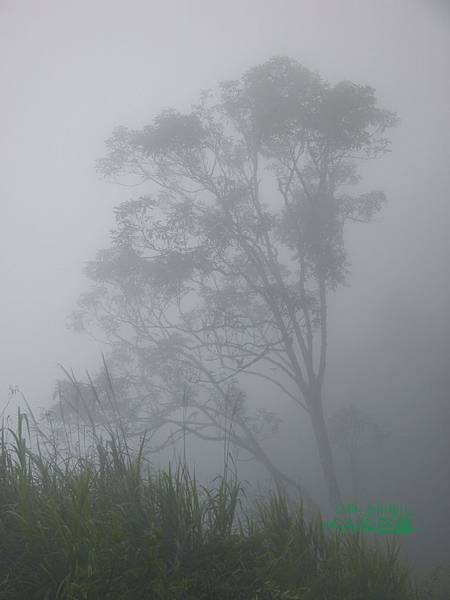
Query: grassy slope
{"x": 99, "y": 528}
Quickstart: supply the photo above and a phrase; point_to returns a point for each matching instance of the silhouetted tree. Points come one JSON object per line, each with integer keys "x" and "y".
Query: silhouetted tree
{"x": 226, "y": 266}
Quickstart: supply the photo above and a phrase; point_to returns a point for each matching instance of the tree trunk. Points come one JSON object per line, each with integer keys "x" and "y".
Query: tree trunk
{"x": 324, "y": 447}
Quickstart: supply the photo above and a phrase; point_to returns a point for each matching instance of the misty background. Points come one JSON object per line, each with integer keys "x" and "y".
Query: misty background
{"x": 71, "y": 72}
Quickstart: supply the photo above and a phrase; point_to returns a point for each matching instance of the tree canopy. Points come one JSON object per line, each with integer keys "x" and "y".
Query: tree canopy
{"x": 223, "y": 266}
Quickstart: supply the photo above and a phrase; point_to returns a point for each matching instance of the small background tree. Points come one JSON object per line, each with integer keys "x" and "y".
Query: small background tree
{"x": 352, "y": 431}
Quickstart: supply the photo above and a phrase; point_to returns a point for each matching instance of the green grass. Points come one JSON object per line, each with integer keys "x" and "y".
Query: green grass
{"x": 104, "y": 526}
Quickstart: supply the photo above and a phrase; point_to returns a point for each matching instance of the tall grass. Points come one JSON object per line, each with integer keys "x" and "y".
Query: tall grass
{"x": 105, "y": 526}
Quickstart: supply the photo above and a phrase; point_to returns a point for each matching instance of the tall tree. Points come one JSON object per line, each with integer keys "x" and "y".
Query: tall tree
{"x": 231, "y": 256}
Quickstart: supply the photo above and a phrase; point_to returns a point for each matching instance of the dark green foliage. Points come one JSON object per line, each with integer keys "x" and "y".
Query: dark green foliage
{"x": 99, "y": 528}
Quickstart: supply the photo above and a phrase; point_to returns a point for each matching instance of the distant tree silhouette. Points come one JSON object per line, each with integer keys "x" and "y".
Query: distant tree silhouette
{"x": 224, "y": 266}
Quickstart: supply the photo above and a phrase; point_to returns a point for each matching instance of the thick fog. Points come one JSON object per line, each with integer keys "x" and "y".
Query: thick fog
{"x": 71, "y": 72}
